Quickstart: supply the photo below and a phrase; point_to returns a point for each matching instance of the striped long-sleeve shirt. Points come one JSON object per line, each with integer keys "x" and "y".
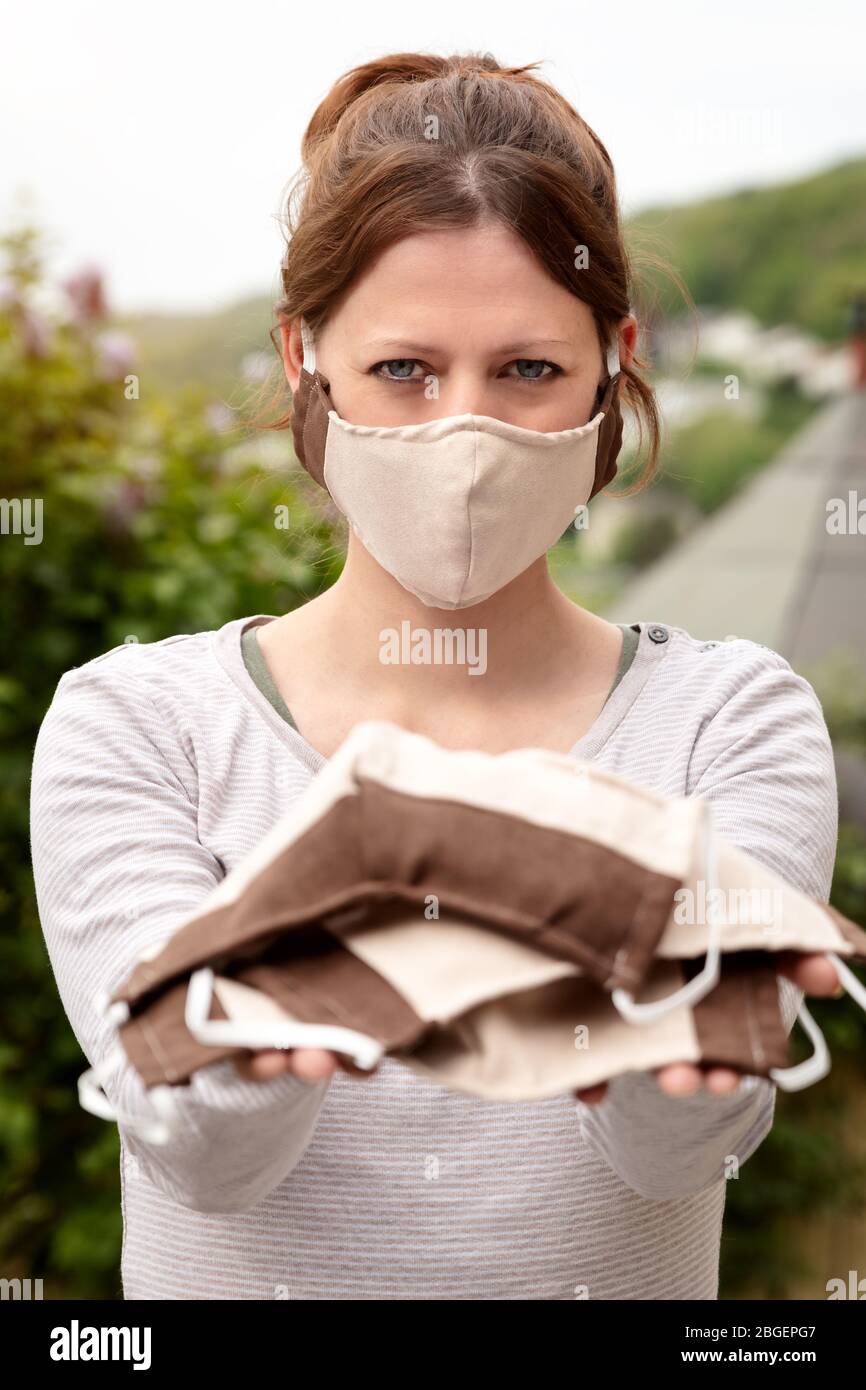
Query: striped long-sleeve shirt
{"x": 159, "y": 766}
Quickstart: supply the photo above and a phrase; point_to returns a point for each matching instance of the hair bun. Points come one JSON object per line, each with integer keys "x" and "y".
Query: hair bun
{"x": 394, "y": 68}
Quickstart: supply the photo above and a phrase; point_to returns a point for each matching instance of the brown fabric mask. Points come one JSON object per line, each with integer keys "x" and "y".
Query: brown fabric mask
{"x": 472, "y": 916}
{"x": 312, "y": 402}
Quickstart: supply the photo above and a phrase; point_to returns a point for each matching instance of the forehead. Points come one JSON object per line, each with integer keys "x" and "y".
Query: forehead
{"x": 484, "y": 278}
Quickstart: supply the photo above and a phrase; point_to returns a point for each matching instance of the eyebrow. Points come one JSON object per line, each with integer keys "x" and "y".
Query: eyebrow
{"x": 428, "y": 349}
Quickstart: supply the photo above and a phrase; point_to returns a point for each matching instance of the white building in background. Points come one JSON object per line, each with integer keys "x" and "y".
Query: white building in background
{"x": 765, "y": 354}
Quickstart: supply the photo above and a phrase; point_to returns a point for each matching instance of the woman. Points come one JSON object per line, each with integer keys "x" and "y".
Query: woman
{"x": 458, "y": 252}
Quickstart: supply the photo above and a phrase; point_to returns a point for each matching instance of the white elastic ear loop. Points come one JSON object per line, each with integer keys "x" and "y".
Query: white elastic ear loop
{"x": 309, "y": 363}
{"x": 93, "y": 1099}
{"x": 855, "y": 987}
{"x": 613, "y": 363}
{"x": 288, "y": 1033}
{"x": 814, "y": 1067}
{"x": 701, "y": 984}
{"x": 818, "y": 1065}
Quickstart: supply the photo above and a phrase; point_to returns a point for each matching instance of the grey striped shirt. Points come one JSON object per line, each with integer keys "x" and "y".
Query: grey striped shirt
{"x": 159, "y": 766}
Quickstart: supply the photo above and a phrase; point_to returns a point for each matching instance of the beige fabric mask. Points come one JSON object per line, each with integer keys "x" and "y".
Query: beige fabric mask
{"x": 487, "y": 921}
{"x": 455, "y": 508}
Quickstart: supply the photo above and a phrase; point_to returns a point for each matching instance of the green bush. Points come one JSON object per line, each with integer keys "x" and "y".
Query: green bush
{"x": 643, "y": 539}
{"x": 710, "y": 459}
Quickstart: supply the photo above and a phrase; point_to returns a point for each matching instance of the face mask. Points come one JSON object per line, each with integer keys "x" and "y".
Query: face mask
{"x": 558, "y": 894}
{"x": 455, "y": 508}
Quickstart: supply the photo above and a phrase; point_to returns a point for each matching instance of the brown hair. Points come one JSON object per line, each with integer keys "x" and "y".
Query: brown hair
{"x": 508, "y": 147}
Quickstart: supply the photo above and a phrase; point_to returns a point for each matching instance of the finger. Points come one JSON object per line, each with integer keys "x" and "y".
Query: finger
{"x": 722, "y": 1081}
{"x": 262, "y": 1066}
{"x": 308, "y": 1064}
{"x": 680, "y": 1079}
{"x": 814, "y": 974}
{"x": 313, "y": 1064}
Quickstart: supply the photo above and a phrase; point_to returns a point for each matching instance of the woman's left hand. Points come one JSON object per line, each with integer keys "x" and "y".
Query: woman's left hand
{"x": 812, "y": 973}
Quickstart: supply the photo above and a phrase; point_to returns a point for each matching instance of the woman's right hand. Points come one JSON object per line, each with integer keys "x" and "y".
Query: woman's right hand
{"x": 307, "y": 1063}
{"x": 810, "y": 971}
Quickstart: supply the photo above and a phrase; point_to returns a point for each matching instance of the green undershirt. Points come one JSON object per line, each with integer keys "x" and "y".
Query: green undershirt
{"x": 254, "y": 660}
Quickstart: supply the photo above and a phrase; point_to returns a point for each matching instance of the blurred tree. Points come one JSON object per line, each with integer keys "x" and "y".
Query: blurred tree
{"x": 791, "y": 252}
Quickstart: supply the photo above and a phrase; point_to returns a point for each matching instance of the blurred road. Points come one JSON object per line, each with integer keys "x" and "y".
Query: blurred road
{"x": 765, "y": 566}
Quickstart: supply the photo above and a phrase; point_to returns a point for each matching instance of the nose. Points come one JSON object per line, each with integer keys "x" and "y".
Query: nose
{"x": 465, "y": 393}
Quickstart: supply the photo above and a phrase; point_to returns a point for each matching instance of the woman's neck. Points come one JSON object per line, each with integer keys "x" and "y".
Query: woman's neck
{"x": 372, "y": 638}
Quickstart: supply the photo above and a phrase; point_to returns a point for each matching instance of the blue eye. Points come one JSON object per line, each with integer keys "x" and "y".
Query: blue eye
{"x": 537, "y": 364}
{"x": 401, "y": 369}
{"x": 398, "y": 362}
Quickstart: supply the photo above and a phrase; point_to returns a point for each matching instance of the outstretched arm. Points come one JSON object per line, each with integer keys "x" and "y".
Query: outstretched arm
{"x": 118, "y": 864}
{"x": 766, "y": 763}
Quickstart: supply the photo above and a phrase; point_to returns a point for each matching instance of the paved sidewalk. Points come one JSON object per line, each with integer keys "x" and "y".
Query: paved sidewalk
{"x": 764, "y": 566}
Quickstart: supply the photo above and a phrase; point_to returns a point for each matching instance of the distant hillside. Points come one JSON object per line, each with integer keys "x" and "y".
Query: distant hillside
{"x": 790, "y": 253}
{"x": 206, "y": 350}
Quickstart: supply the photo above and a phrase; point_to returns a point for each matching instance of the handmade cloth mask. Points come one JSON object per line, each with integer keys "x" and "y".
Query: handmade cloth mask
{"x": 457, "y": 507}
{"x": 487, "y": 921}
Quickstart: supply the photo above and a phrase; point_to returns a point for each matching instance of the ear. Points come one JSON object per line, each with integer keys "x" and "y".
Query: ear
{"x": 627, "y": 329}
{"x": 293, "y": 352}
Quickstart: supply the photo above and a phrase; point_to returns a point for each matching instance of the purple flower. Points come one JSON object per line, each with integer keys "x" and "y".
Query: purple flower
{"x": 86, "y": 294}
{"x": 116, "y": 355}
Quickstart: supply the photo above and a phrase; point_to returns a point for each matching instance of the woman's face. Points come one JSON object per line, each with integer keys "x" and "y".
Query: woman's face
{"x": 455, "y": 322}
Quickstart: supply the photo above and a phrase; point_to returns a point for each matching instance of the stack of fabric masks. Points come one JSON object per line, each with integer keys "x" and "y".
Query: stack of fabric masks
{"x": 510, "y": 926}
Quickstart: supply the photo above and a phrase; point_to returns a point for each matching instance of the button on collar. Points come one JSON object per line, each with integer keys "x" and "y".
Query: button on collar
{"x": 656, "y": 633}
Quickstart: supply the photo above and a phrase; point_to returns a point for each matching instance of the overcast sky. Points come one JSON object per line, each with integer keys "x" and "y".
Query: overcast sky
{"x": 156, "y": 139}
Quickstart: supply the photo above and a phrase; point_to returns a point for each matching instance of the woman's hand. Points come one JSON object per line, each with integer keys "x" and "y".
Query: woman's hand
{"x": 307, "y": 1063}
{"x": 812, "y": 973}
